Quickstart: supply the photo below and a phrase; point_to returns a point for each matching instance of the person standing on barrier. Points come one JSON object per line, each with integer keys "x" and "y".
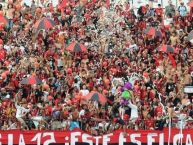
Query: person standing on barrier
{"x": 21, "y": 112}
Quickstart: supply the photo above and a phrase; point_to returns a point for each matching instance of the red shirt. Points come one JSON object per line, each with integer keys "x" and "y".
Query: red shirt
{"x": 43, "y": 76}
{"x": 152, "y": 95}
{"x": 142, "y": 24}
{"x": 144, "y": 10}
{"x": 2, "y": 54}
{"x": 149, "y": 123}
{"x": 87, "y": 16}
{"x": 189, "y": 18}
{"x": 158, "y": 110}
{"x": 48, "y": 54}
{"x": 15, "y": 83}
{"x": 48, "y": 111}
{"x": 143, "y": 94}
{"x": 68, "y": 11}
{"x": 91, "y": 85}
{"x": 159, "y": 11}
{"x": 34, "y": 112}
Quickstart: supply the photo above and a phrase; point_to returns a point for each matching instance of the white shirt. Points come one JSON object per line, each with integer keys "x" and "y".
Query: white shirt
{"x": 133, "y": 47}
{"x": 121, "y": 112}
{"x": 20, "y": 111}
{"x": 181, "y": 121}
{"x": 82, "y": 112}
{"x": 77, "y": 85}
{"x": 60, "y": 62}
{"x": 134, "y": 111}
{"x": 65, "y": 124}
{"x": 41, "y": 4}
{"x": 22, "y": 49}
{"x": 8, "y": 48}
{"x": 84, "y": 92}
{"x": 168, "y": 21}
{"x": 12, "y": 126}
{"x": 36, "y": 120}
{"x": 49, "y": 15}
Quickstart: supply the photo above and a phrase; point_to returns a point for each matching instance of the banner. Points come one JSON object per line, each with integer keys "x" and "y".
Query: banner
{"x": 77, "y": 137}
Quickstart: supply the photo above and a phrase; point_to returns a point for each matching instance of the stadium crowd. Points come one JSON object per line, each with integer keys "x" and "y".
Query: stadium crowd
{"x": 99, "y": 68}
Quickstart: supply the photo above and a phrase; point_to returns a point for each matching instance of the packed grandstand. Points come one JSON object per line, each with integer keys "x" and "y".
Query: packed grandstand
{"x": 95, "y": 66}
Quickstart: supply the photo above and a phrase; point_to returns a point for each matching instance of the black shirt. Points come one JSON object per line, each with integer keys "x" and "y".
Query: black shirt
{"x": 170, "y": 87}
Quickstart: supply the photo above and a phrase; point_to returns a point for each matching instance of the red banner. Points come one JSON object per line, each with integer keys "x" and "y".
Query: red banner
{"x": 78, "y": 137}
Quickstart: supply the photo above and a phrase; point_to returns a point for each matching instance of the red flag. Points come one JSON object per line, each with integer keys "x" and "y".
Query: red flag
{"x": 62, "y": 4}
{"x": 94, "y": 1}
{"x": 108, "y": 3}
{"x": 172, "y": 60}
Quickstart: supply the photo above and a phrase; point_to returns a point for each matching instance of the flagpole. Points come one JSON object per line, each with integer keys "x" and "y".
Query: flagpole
{"x": 169, "y": 134}
{"x": 176, "y": 3}
{"x": 162, "y": 3}
{"x": 181, "y": 128}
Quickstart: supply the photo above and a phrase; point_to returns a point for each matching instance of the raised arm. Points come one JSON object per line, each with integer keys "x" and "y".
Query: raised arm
{"x": 132, "y": 106}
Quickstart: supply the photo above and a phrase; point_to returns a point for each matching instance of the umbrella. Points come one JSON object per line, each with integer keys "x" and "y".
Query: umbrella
{"x": 190, "y": 4}
{"x": 44, "y": 23}
{"x": 190, "y": 36}
{"x": 95, "y": 96}
{"x": 76, "y": 47}
{"x": 153, "y": 32}
{"x": 126, "y": 95}
{"x": 167, "y": 49}
{"x": 4, "y": 20}
{"x": 31, "y": 81}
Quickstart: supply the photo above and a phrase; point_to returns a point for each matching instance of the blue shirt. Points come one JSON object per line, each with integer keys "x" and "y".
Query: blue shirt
{"x": 182, "y": 10}
{"x": 74, "y": 125}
